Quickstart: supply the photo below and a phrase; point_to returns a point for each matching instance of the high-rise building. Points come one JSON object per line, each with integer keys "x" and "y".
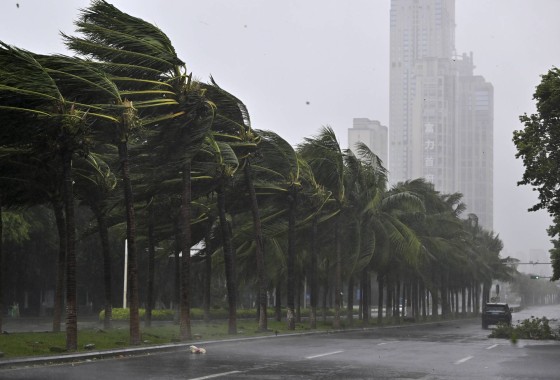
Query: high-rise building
{"x": 372, "y": 134}
{"x": 441, "y": 114}
{"x": 475, "y": 142}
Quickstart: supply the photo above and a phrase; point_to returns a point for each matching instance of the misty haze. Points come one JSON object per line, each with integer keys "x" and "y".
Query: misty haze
{"x": 367, "y": 189}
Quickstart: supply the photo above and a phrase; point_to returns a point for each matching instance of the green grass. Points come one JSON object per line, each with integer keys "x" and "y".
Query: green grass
{"x": 49, "y": 343}
{"x": 120, "y": 314}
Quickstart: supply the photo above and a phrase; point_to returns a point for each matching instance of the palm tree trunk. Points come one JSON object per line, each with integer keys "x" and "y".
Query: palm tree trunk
{"x": 107, "y": 280}
{"x": 206, "y": 301}
{"x": 278, "y": 304}
{"x": 259, "y": 249}
{"x": 423, "y": 299}
{"x": 380, "y": 286}
{"x": 186, "y": 243}
{"x": 338, "y": 275}
{"x": 290, "y": 315}
{"x": 151, "y": 267}
{"x": 469, "y": 298}
{"x": 445, "y": 308}
{"x": 350, "y": 302}
{"x": 132, "y": 270}
{"x": 464, "y": 300}
{"x": 486, "y": 292}
{"x": 229, "y": 260}
{"x": 1, "y": 266}
{"x": 177, "y": 276}
{"x": 415, "y": 299}
{"x": 361, "y": 290}
{"x": 313, "y": 283}
{"x": 435, "y": 302}
{"x": 389, "y": 303}
{"x": 399, "y": 297}
{"x": 325, "y": 295}
{"x": 58, "y": 209}
{"x": 298, "y": 293}
{"x": 366, "y": 296}
{"x": 71, "y": 289}
{"x": 434, "y": 293}
{"x": 427, "y": 299}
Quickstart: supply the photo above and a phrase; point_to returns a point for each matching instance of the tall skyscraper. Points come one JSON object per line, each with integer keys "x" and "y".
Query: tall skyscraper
{"x": 441, "y": 114}
{"x": 372, "y": 134}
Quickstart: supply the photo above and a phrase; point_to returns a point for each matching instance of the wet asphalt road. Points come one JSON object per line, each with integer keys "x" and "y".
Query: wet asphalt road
{"x": 447, "y": 350}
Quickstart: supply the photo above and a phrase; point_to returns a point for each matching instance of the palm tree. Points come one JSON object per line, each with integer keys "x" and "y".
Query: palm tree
{"x": 94, "y": 183}
{"x": 226, "y": 166}
{"x": 1, "y": 261}
{"x": 485, "y": 255}
{"x": 232, "y": 125}
{"x": 365, "y": 181}
{"x": 326, "y": 160}
{"x": 38, "y": 89}
{"x": 140, "y": 58}
{"x": 29, "y": 181}
{"x": 284, "y": 177}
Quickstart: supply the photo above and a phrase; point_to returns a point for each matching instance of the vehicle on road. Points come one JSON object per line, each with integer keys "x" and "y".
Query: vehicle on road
{"x": 494, "y": 313}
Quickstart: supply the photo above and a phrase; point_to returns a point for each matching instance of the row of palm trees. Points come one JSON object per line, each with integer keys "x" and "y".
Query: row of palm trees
{"x": 124, "y": 112}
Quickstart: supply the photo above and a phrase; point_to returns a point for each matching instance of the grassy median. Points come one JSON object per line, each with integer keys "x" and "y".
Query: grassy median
{"x": 164, "y": 332}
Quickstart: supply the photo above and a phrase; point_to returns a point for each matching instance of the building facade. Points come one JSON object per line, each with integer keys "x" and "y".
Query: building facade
{"x": 372, "y": 134}
{"x": 441, "y": 114}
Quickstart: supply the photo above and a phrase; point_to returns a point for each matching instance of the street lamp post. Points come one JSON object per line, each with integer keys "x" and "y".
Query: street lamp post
{"x": 125, "y": 272}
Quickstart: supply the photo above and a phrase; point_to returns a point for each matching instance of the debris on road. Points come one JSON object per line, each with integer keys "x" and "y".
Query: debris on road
{"x": 197, "y": 350}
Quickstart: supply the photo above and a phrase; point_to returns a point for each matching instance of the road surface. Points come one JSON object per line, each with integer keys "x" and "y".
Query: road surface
{"x": 446, "y": 350}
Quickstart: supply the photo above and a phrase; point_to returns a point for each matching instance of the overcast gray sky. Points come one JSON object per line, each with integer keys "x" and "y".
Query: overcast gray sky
{"x": 302, "y": 64}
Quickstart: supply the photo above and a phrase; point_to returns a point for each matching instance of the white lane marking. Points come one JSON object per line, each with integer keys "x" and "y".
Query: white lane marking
{"x": 216, "y": 375}
{"x": 382, "y": 343}
{"x": 320, "y": 355}
{"x": 492, "y": 346}
{"x": 464, "y": 359}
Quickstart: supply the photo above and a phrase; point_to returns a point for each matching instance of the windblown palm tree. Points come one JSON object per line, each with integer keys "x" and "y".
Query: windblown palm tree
{"x": 326, "y": 160}
{"x": 40, "y": 101}
{"x": 232, "y": 125}
{"x": 155, "y": 88}
{"x": 95, "y": 183}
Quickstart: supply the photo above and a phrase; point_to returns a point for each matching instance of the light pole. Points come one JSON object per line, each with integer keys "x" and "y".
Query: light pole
{"x": 125, "y": 272}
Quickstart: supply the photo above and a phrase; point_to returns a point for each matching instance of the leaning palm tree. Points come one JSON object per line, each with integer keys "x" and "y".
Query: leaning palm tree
{"x": 285, "y": 180}
{"x": 156, "y": 91}
{"x": 41, "y": 92}
{"x": 372, "y": 214}
{"x": 1, "y": 261}
{"x": 224, "y": 164}
{"x": 442, "y": 235}
{"x": 29, "y": 180}
{"x": 365, "y": 181}
{"x": 326, "y": 160}
{"x": 95, "y": 183}
{"x": 232, "y": 125}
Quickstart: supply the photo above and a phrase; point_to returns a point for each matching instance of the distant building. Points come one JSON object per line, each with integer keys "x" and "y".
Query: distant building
{"x": 372, "y": 134}
{"x": 475, "y": 142}
{"x": 441, "y": 114}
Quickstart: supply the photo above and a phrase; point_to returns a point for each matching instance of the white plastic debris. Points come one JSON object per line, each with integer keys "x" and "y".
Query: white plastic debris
{"x": 197, "y": 350}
